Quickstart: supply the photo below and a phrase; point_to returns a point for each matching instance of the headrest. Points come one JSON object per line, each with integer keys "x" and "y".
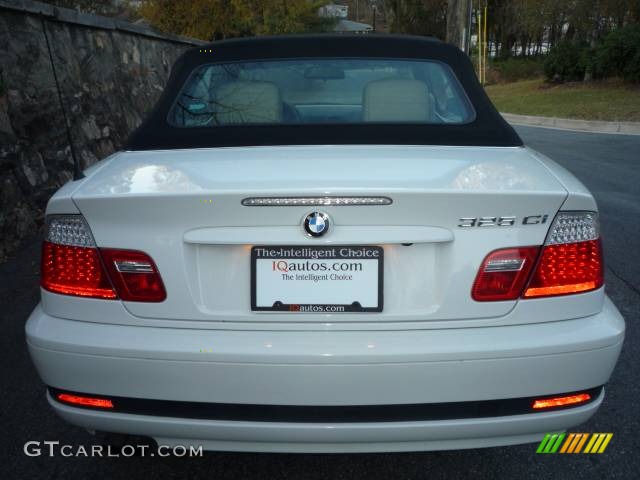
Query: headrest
{"x": 396, "y": 100}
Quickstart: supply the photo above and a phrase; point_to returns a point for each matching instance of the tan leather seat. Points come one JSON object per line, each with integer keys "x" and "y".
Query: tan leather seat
{"x": 247, "y": 102}
{"x": 396, "y": 100}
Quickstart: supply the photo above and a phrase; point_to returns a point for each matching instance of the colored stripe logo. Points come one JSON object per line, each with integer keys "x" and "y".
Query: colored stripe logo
{"x": 574, "y": 443}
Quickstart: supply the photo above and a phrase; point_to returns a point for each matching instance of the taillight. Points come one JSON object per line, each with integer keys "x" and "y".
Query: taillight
{"x": 503, "y": 274}
{"x": 571, "y": 260}
{"x": 134, "y": 275}
{"x": 72, "y": 265}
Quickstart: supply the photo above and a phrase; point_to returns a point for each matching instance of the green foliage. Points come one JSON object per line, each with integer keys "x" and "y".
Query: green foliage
{"x": 514, "y": 69}
{"x": 619, "y": 54}
{"x": 216, "y": 19}
{"x": 567, "y": 61}
{"x": 418, "y": 17}
{"x": 610, "y": 100}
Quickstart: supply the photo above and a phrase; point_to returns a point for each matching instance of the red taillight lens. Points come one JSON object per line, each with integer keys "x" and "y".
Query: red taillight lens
{"x": 73, "y": 265}
{"x": 503, "y": 274}
{"x": 567, "y": 268}
{"x": 85, "y": 401}
{"x": 561, "y": 401}
{"x": 72, "y": 270}
{"x": 571, "y": 261}
{"x": 134, "y": 275}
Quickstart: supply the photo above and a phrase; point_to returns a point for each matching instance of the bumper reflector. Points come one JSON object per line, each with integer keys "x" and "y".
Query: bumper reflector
{"x": 561, "y": 401}
{"x": 85, "y": 401}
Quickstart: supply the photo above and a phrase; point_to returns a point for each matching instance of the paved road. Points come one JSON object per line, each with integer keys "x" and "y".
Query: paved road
{"x": 608, "y": 164}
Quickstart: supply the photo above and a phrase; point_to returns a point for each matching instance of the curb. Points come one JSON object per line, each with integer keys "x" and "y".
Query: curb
{"x": 594, "y": 126}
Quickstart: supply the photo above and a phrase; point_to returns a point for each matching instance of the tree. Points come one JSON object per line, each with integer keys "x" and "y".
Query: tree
{"x": 218, "y": 19}
{"x": 418, "y": 17}
{"x": 457, "y": 22}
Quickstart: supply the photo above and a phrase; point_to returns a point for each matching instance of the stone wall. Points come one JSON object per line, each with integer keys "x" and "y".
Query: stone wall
{"x": 110, "y": 73}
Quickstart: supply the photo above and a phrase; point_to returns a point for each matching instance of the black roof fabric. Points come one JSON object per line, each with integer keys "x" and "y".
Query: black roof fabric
{"x": 488, "y": 128}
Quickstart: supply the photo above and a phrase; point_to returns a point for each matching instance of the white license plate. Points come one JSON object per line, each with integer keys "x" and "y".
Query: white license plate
{"x": 327, "y": 279}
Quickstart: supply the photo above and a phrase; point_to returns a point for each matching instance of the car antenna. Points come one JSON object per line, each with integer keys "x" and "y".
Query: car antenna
{"x": 77, "y": 170}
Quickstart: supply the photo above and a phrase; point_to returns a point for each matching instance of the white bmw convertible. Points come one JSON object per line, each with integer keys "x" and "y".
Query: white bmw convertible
{"x": 325, "y": 244}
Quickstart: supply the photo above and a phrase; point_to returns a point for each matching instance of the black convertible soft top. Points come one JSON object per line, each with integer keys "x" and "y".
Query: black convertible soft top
{"x": 487, "y": 129}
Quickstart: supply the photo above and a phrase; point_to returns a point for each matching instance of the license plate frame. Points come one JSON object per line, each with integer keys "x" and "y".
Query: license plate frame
{"x": 305, "y": 253}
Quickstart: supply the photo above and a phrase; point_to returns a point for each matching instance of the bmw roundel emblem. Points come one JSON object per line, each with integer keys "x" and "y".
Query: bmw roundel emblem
{"x": 316, "y": 224}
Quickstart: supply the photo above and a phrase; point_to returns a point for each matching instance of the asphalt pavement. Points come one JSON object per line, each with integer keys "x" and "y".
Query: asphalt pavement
{"x": 609, "y": 165}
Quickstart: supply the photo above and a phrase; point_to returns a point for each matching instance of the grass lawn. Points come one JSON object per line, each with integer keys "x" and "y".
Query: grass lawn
{"x": 610, "y": 100}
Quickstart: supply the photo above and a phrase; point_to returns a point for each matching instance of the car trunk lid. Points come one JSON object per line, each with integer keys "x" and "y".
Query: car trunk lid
{"x": 184, "y": 208}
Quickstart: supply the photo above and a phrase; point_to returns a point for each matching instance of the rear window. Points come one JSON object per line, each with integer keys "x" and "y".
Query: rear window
{"x": 321, "y": 91}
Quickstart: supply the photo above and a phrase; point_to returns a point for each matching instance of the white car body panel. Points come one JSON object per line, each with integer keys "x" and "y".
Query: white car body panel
{"x": 260, "y": 367}
{"x": 431, "y": 343}
{"x": 161, "y": 200}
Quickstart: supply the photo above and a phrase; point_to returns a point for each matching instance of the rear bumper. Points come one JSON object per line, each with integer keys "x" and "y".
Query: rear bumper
{"x": 328, "y": 369}
{"x": 334, "y": 438}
